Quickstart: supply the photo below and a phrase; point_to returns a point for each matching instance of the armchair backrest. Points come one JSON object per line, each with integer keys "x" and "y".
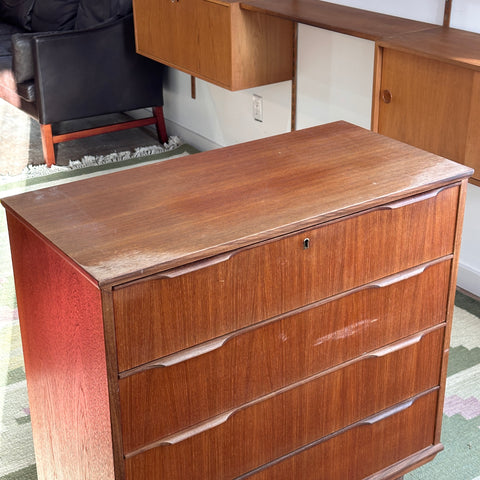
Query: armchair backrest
{"x": 60, "y": 15}
{"x": 93, "y": 12}
{"x": 54, "y": 15}
{"x": 17, "y": 13}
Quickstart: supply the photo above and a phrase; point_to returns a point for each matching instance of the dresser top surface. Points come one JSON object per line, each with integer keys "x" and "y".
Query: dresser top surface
{"x": 126, "y": 225}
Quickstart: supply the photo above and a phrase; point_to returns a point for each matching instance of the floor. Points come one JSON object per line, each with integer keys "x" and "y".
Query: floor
{"x": 20, "y": 141}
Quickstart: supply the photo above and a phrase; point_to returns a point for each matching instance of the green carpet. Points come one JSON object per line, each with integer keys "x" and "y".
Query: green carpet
{"x": 461, "y": 422}
{"x": 40, "y": 176}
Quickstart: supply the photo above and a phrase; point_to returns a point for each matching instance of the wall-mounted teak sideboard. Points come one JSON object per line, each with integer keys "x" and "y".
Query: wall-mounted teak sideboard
{"x": 426, "y": 86}
{"x": 271, "y": 310}
{"x": 216, "y": 41}
{"x": 428, "y": 92}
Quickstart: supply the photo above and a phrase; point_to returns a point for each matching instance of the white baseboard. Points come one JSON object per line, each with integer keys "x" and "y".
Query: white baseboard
{"x": 468, "y": 279}
{"x": 189, "y": 136}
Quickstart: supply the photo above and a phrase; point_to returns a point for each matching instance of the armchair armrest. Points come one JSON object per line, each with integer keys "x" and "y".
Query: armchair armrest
{"x": 93, "y": 72}
{"x": 22, "y": 56}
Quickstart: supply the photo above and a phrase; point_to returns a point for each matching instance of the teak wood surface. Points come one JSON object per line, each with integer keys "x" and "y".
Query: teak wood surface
{"x": 427, "y": 91}
{"x": 338, "y": 18}
{"x": 364, "y": 437}
{"x": 215, "y": 41}
{"x": 272, "y": 426}
{"x": 127, "y": 225}
{"x": 448, "y": 45}
{"x": 65, "y": 361}
{"x": 428, "y": 103}
{"x": 154, "y": 315}
{"x": 195, "y": 384}
{"x": 188, "y": 290}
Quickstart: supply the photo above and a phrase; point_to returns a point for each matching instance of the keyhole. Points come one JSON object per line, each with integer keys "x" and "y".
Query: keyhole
{"x": 306, "y": 243}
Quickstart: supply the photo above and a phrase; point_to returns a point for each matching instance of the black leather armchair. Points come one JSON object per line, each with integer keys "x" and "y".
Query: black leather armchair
{"x": 74, "y": 74}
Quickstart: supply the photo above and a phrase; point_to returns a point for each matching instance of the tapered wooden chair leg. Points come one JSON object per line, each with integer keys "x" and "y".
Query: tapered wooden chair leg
{"x": 47, "y": 144}
{"x": 161, "y": 129}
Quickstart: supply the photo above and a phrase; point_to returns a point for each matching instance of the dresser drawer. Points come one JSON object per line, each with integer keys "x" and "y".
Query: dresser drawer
{"x": 196, "y": 384}
{"x": 187, "y": 306}
{"x": 367, "y": 447}
{"x": 278, "y": 423}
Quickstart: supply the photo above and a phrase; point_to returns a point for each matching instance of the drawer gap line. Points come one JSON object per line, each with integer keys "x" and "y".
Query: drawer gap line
{"x": 216, "y": 343}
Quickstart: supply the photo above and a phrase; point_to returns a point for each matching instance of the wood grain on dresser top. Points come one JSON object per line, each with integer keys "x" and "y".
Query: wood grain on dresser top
{"x": 129, "y": 224}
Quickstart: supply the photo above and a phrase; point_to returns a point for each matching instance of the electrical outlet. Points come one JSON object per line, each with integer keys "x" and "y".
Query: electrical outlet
{"x": 257, "y": 108}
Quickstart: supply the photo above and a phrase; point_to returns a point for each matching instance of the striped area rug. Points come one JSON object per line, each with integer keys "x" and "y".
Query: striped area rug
{"x": 461, "y": 420}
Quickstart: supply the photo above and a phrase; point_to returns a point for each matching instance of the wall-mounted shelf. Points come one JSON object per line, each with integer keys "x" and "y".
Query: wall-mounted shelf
{"x": 216, "y": 41}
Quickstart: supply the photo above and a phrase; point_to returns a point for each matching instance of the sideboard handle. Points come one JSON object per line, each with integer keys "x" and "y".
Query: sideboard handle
{"x": 386, "y": 96}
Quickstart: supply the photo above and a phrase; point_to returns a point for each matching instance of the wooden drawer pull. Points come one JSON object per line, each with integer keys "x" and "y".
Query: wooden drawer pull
{"x": 400, "y": 407}
{"x": 416, "y": 199}
{"x": 400, "y": 277}
{"x": 202, "y": 427}
{"x": 217, "y": 343}
{"x": 193, "y": 352}
{"x": 185, "y": 434}
{"x": 388, "y": 413}
{"x": 400, "y": 345}
{"x": 177, "y": 272}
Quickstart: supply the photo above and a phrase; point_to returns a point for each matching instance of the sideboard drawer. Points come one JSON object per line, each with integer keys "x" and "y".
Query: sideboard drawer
{"x": 406, "y": 429}
{"x": 282, "y": 421}
{"x": 187, "y": 306}
{"x": 196, "y": 384}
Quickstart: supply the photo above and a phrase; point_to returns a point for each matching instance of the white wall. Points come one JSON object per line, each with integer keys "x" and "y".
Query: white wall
{"x": 334, "y": 78}
{"x": 466, "y": 16}
{"x": 335, "y": 75}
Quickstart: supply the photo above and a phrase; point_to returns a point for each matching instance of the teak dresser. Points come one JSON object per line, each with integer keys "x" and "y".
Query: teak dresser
{"x": 279, "y": 310}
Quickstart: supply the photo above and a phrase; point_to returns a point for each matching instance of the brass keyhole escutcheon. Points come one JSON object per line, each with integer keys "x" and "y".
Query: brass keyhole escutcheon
{"x": 387, "y": 96}
{"x": 306, "y": 243}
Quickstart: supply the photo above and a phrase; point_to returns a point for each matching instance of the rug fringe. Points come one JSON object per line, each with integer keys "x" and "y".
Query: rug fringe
{"x": 32, "y": 171}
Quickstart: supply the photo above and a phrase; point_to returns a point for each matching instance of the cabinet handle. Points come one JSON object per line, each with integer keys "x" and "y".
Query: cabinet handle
{"x": 399, "y": 277}
{"x": 397, "y": 346}
{"x": 387, "y": 96}
{"x": 416, "y": 198}
{"x": 193, "y": 352}
{"x": 185, "y": 434}
{"x": 192, "y": 267}
{"x": 388, "y": 413}
{"x": 202, "y": 427}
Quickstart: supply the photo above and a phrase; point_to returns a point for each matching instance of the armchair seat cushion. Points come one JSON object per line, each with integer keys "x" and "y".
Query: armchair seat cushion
{"x": 14, "y": 93}
{"x": 26, "y": 90}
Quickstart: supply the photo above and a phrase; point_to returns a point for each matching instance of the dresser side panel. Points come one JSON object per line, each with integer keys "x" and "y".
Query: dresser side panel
{"x": 450, "y": 305}
{"x": 61, "y": 325}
